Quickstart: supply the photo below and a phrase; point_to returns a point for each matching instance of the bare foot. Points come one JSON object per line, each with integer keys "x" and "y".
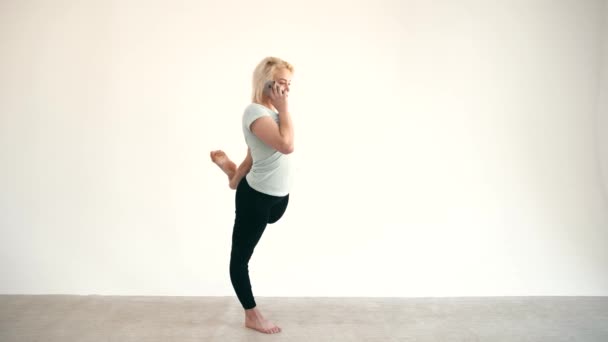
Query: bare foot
{"x": 254, "y": 320}
{"x": 221, "y": 159}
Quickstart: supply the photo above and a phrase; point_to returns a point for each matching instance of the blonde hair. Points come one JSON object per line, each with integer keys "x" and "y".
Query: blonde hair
{"x": 265, "y": 71}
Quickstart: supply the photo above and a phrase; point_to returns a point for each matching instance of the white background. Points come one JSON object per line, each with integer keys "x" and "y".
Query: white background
{"x": 444, "y": 148}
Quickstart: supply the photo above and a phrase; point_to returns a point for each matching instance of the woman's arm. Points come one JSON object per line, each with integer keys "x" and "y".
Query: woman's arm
{"x": 242, "y": 170}
{"x": 277, "y": 136}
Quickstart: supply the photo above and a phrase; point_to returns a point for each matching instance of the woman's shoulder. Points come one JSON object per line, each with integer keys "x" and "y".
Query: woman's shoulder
{"x": 254, "y": 111}
{"x": 252, "y": 108}
{"x": 256, "y": 106}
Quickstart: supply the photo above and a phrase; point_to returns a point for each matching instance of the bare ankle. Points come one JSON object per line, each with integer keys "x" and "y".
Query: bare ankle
{"x": 252, "y": 313}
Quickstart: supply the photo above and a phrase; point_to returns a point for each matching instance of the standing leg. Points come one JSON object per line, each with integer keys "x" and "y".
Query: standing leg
{"x": 252, "y": 213}
{"x": 248, "y": 230}
{"x": 250, "y": 221}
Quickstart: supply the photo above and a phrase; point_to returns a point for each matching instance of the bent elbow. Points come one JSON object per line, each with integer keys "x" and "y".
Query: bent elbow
{"x": 287, "y": 149}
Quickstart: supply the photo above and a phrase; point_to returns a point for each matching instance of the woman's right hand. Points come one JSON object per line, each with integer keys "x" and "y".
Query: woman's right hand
{"x": 278, "y": 98}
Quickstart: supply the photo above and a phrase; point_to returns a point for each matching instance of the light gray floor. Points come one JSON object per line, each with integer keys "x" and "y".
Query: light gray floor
{"x": 120, "y": 318}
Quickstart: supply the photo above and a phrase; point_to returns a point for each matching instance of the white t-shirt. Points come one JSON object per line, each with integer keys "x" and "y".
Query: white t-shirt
{"x": 271, "y": 169}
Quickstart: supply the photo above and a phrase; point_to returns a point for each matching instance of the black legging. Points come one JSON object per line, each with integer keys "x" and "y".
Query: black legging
{"x": 253, "y": 211}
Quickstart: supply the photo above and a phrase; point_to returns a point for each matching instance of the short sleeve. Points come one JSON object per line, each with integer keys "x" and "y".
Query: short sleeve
{"x": 253, "y": 113}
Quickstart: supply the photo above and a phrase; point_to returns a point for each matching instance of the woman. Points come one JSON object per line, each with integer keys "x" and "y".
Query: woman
{"x": 262, "y": 181}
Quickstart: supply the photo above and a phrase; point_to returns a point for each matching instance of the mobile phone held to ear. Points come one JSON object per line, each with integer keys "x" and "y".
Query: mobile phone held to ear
{"x": 268, "y": 87}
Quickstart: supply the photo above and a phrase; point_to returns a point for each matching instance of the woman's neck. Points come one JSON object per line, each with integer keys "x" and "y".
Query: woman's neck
{"x": 268, "y": 105}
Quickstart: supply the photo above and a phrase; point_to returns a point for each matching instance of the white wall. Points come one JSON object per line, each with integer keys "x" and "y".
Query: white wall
{"x": 602, "y": 104}
{"x": 442, "y": 149}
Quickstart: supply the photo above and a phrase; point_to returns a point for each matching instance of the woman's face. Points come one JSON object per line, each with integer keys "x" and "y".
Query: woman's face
{"x": 283, "y": 78}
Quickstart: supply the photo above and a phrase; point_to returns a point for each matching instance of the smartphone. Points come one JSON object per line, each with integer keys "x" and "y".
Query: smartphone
{"x": 268, "y": 87}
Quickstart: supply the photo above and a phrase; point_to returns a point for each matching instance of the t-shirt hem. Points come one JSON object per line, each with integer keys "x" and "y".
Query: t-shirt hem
{"x": 266, "y": 193}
